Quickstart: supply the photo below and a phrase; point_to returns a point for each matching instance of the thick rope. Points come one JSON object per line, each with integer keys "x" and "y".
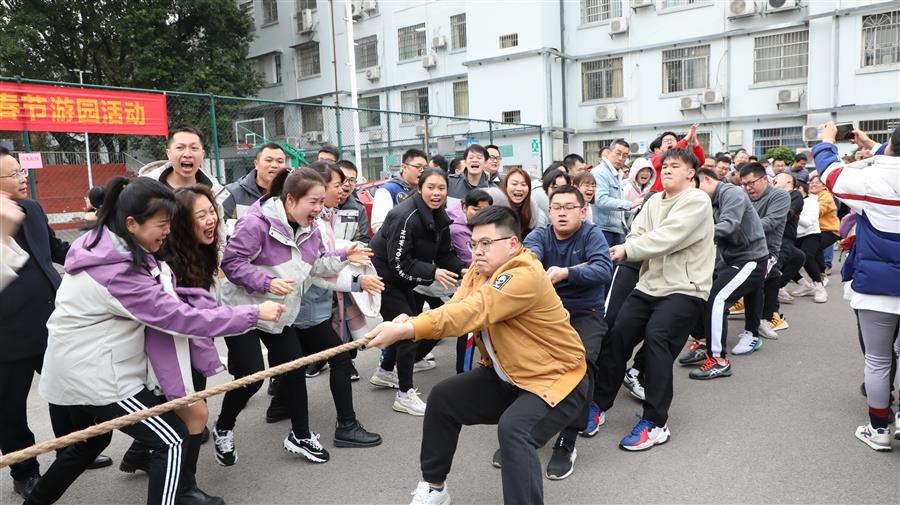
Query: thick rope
{"x": 136, "y": 417}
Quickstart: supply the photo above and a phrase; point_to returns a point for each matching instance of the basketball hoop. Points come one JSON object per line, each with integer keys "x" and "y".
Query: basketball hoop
{"x": 243, "y": 148}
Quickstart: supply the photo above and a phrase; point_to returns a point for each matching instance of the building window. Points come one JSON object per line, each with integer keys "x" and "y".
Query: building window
{"x": 703, "y": 138}
{"x": 685, "y": 68}
{"x": 879, "y": 130}
{"x": 306, "y": 4}
{"x": 411, "y": 41}
{"x": 767, "y": 138}
{"x": 511, "y": 40}
{"x": 668, "y": 4}
{"x": 369, "y": 119}
{"x": 601, "y": 79}
{"x": 270, "y": 11}
{"x": 307, "y": 59}
{"x": 413, "y": 100}
{"x": 458, "y": 31}
{"x": 277, "y": 59}
{"x": 591, "y": 150}
{"x": 366, "y": 52}
{"x": 277, "y": 119}
{"x": 593, "y": 11}
{"x": 461, "y": 98}
{"x": 512, "y": 116}
{"x": 372, "y": 169}
{"x": 881, "y": 39}
{"x": 312, "y": 119}
{"x": 781, "y": 56}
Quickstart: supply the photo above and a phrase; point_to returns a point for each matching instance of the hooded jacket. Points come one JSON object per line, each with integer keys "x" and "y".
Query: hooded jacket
{"x": 386, "y": 197}
{"x": 352, "y": 223}
{"x": 95, "y": 349}
{"x": 657, "y": 161}
{"x": 460, "y": 234}
{"x": 739, "y": 233}
{"x": 240, "y": 195}
{"x": 631, "y": 190}
{"x": 808, "y": 223}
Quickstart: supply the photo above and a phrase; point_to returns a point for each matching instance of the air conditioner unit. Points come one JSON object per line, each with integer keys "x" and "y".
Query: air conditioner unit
{"x": 690, "y": 103}
{"x": 420, "y": 129}
{"x": 810, "y": 134}
{"x": 370, "y": 5}
{"x": 373, "y": 73}
{"x": 618, "y": 25}
{"x": 781, "y": 5}
{"x": 711, "y": 97}
{"x": 788, "y": 95}
{"x": 375, "y": 135}
{"x": 314, "y": 137}
{"x": 633, "y": 147}
{"x": 429, "y": 61}
{"x": 606, "y": 112}
{"x": 356, "y": 10}
{"x": 439, "y": 42}
{"x": 637, "y": 4}
{"x": 741, "y": 8}
{"x": 305, "y": 20}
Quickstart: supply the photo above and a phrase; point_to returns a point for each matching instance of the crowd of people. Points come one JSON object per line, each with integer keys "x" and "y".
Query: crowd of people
{"x": 549, "y": 286}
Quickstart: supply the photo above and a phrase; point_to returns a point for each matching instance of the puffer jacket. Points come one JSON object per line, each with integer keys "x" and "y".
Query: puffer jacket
{"x": 240, "y": 195}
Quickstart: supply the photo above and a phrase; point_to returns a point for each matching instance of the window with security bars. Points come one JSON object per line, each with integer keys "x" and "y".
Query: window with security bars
{"x": 767, "y": 138}
{"x": 510, "y": 40}
{"x": 461, "y": 98}
{"x": 277, "y": 62}
{"x": 703, "y": 138}
{"x": 781, "y": 56}
{"x": 685, "y": 68}
{"x": 366, "y": 50}
{"x": 413, "y": 100}
{"x": 411, "y": 42}
{"x": 511, "y": 116}
{"x": 601, "y": 79}
{"x": 593, "y": 11}
{"x": 458, "y": 31}
{"x": 369, "y": 119}
{"x": 668, "y": 4}
{"x": 879, "y": 130}
{"x": 307, "y": 57}
{"x": 306, "y": 4}
{"x": 270, "y": 11}
{"x": 311, "y": 118}
{"x": 372, "y": 168}
{"x": 591, "y": 150}
{"x": 881, "y": 39}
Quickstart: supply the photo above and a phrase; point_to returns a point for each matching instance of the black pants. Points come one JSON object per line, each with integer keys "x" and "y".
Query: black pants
{"x": 625, "y": 278}
{"x": 761, "y": 303}
{"x": 730, "y": 284}
{"x": 663, "y": 324}
{"x": 591, "y": 327}
{"x": 810, "y": 247}
{"x": 524, "y": 424}
{"x": 15, "y": 384}
{"x": 826, "y": 239}
{"x": 396, "y": 301}
{"x": 790, "y": 261}
{"x": 245, "y": 358}
{"x": 163, "y": 434}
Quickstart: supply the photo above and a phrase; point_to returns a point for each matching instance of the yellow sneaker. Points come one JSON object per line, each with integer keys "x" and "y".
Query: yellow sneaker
{"x": 737, "y": 308}
{"x": 778, "y": 322}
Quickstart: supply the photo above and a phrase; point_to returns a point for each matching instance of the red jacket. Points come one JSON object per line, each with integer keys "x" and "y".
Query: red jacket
{"x": 657, "y": 162}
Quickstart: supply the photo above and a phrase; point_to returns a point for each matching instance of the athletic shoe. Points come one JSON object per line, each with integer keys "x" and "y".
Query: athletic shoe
{"x": 309, "y": 448}
{"x": 315, "y": 369}
{"x": 805, "y": 289}
{"x": 784, "y": 296}
{"x": 134, "y": 459}
{"x": 562, "y": 462}
{"x": 876, "y": 438}
{"x": 766, "y": 331}
{"x": 645, "y": 435}
{"x": 596, "y": 419}
{"x": 384, "y": 378}
{"x": 423, "y": 364}
{"x": 277, "y": 411}
{"x": 354, "y": 435}
{"x": 747, "y": 343}
{"x": 737, "y": 308}
{"x": 223, "y": 440}
{"x": 495, "y": 460}
{"x": 695, "y": 354}
{"x": 897, "y": 426}
{"x": 409, "y": 403}
{"x": 272, "y": 386}
{"x": 429, "y": 356}
{"x": 633, "y": 384}
{"x": 819, "y": 293}
{"x": 778, "y": 322}
{"x": 354, "y": 373}
{"x": 824, "y": 278}
{"x": 26, "y": 485}
{"x": 424, "y": 494}
{"x": 711, "y": 369}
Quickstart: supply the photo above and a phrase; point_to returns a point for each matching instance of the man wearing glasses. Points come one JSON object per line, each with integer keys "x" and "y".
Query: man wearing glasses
{"x": 492, "y": 168}
{"x": 353, "y": 223}
{"x": 396, "y": 190}
{"x": 532, "y": 381}
{"x": 609, "y": 206}
{"x": 576, "y": 257}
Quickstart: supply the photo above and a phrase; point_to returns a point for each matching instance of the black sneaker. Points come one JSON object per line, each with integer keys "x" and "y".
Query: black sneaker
{"x": 309, "y": 448}
{"x": 24, "y": 486}
{"x": 315, "y": 369}
{"x": 562, "y": 463}
{"x": 354, "y": 435}
{"x": 354, "y": 373}
{"x": 496, "y": 459}
{"x": 694, "y": 355}
{"x": 196, "y": 496}
{"x": 277, "y": 411}
{"x": 273, "y": 384}
{"x": 134, "y": 459}
{"x": 226, "y": 454}
{"x": 101, "y": 461}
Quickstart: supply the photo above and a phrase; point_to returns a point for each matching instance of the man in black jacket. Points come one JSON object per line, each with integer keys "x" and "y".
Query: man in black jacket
{"x": 25, "y": 306}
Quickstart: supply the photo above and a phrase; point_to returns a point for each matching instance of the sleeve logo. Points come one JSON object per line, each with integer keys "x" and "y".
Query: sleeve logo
{"x": 501, "y": 281}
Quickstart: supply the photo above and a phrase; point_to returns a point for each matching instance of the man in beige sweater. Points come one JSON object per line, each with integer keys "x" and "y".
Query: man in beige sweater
{"x": 673, "y": 237}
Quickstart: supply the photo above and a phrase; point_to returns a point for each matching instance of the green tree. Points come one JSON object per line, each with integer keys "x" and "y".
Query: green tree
{"x": 196, "y": 45}
{"x": 780, "y": 153}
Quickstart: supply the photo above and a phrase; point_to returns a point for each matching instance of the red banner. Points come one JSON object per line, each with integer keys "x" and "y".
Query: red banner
{"x": 39, "y": 108}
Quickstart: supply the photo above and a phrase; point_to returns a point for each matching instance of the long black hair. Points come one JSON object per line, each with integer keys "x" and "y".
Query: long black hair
{"x": 140, "y": 199}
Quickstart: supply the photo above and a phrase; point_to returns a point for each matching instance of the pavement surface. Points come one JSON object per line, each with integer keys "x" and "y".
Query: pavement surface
{"x": 780, "y": 430}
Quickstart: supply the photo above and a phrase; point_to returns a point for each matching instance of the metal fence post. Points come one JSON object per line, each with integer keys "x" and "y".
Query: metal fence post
{"x": 541, "y": 140}
{"x": 215, "y": 136}
{"x": 425, "y": 136}
{"x": 490, "y": 131}
{"x": 26, "y": 147}
{"x": 340, "y": 139}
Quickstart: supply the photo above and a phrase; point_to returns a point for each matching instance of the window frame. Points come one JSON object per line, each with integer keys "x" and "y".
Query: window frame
{"x": 457, "y": 110}
{"x": 357, "y": 48}
{"x": 457, "y": 33}
{"x": 779, "y": 60}
{"x": 509, "y": 40}
{"x": 298, "y": 56}
{"x": 417, "y": 39}
{"x": 680, "y": 55}
{"x": 270, "y": 12}
{"x": 408, "y": 118}
{"x": 893, "y": 23}
{"x": 369, "y": 119}
{"x": 611, "y": 81}
{"x": 613, "y": 10}
{"x": 766, "y": 138}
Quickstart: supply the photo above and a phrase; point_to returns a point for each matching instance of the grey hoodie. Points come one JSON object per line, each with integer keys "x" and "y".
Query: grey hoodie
{"x": 772, "y": 208}
{"x": 738, "y": 231}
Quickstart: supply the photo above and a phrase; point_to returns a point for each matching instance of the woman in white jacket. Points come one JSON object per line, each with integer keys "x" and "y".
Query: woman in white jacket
{"x": 808, "y": 233}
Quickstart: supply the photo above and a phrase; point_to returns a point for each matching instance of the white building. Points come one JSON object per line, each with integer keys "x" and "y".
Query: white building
{"x": 753, "y": 73}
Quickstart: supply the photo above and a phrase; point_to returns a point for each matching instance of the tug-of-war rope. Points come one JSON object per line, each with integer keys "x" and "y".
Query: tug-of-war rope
{"x": 136, "y": 417}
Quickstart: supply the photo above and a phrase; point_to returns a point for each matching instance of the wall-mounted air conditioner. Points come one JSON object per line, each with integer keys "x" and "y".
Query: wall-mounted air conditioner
{"x": 439, "y": 42}
{"x": 618, "y": 25}
{"x": 788, "y": 96}
{"x": 314, "y": 137}
{"x": 305, "y": 20}
{"x": 781, "y": 5}
{"x": 741, "y": 8}
{"x": 712, "y": 97}
{"x": 429, "y": 61}
{"x": 373, "y": 73}
{"x": 637, "y": 4}
{"x": 690, "y": 103}
{"x": 810, "y": 134}
{"x": 606, "y": 112}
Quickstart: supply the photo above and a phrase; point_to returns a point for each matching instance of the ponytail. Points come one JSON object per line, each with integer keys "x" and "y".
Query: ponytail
{"x": 295, "y": 183}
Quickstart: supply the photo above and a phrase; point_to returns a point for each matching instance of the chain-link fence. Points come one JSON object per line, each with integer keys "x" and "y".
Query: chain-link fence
{"x": 236, "y": 127}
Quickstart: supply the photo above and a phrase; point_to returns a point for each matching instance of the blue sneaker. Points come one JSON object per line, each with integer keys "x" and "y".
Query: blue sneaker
{"x": 645, "y": 435}
{"x": 596, "y": 418}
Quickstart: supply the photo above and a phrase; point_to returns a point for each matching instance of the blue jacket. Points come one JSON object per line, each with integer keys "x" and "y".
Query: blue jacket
{"x": 586, "y": 255}
{"x": 609, "y": 208}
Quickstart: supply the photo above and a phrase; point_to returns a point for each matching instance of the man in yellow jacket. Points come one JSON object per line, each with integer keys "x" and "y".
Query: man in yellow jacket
{"x": 532, "y": 380}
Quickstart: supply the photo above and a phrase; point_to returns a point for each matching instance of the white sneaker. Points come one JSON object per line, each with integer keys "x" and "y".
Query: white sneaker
{"x": 766, "y": 331}
{"x": 424, "y": 495}
{"x": 784, "y": 296}
{"x": 409, "y": 403}
{"x": 806, "y": 288}
{"x": 878, "y": 439}
{"x": 819, "y": 293}
{"x": 429, "y": 356}
{"x": 423, "y": 364}
{"x": 897, "y": 425}
{"x": 633, "y": 384}
{"x": 747, "y": 344}
{"x": 384, "y": 378}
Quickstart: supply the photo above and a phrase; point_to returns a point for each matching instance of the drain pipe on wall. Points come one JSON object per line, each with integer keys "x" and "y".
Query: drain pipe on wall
{"x": 562, "y": 69}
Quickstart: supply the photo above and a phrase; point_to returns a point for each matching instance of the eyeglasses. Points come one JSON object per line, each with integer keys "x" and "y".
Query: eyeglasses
{"x": 18, "y": 174}
{"x": 485, "y": 243}
{"x": 420, "y": 166}
{"x": 495, "y": 158}
{"x": 569, "y": 207}
{"x": 754, "y": 181}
